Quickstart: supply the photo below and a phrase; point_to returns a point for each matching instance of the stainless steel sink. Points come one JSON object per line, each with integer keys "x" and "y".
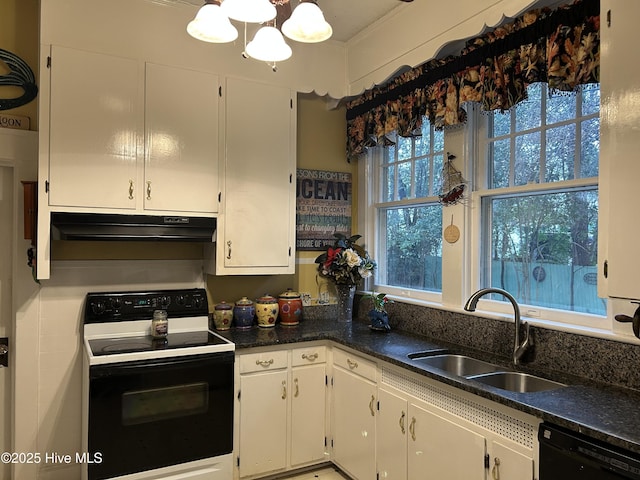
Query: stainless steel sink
{"x": 516, "y": 382}
{"x": 460, "y": 365}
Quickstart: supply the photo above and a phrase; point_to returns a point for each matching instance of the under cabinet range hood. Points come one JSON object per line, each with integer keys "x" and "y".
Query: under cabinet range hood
{"x": 99, "y": 226}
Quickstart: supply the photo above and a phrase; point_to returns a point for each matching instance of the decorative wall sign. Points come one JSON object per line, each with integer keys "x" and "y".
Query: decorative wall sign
{"x": 14, "y": 121}
{"x": 323, "y": 208}
{"x": 20, "y": 75}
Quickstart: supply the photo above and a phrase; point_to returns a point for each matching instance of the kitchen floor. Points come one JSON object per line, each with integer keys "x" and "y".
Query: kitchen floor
{"x": 326, "y": 473}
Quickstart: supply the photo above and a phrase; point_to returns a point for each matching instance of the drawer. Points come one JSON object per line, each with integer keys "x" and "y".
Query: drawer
{"x": 355, "y": 364}
{"x": 260, "y": 362}
{"x": 309, "y": 355}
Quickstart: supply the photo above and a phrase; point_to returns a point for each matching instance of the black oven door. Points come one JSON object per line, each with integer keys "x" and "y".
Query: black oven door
{"x": 150, "y": 414}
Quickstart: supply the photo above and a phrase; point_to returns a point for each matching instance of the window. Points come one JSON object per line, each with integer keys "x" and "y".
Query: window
{"x": 539, "y": 200}
{"x": 409, "y": 216}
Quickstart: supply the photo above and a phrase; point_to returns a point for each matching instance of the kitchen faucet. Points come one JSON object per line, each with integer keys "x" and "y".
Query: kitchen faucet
{"x": 519, "y": 348}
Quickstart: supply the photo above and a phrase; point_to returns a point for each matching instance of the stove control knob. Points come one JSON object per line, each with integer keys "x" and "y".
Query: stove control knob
{"x": 165, "y": 301}
{"x": 198, "y": 302}
{"x": 180, "y": 299}
{"x": 117, "y": 303}
{"x": 97, "y": 308}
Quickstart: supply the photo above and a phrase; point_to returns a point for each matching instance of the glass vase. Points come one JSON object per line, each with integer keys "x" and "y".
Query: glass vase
{"x": 345, "y": 302}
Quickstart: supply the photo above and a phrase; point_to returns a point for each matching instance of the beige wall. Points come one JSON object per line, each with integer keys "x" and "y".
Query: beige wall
{"x": 19, "y": 35}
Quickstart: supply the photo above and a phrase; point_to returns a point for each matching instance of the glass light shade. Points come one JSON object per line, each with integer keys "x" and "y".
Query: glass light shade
{"x": 212, "y": 25}
{"x": 250, "y": 11}
{"x": 307, "y": 24}
{"x": 268, "y": 45}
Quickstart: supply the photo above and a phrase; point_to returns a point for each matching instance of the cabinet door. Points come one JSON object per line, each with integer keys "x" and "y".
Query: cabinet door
{"x": 181, "y": 140}
{"x": 308, "y": 398}
{"x": 95, "y": 119}
{"x": 354, "y": 424}
{"x": 506, "y": 463}
{"x": 263, "y": 422}
{"x": 258, "y": 217}
{"x": 619, "y": 218}
{"x": 441, "y": 450}
{"x": 391, "y": 436}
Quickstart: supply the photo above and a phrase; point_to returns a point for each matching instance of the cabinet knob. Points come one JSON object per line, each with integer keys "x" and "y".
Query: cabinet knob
{"x": 352, "y": 364}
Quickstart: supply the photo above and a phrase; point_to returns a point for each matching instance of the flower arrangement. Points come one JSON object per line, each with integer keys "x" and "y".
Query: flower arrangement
{"x": 379, "y": 300}
{"x": 346, "y": 263}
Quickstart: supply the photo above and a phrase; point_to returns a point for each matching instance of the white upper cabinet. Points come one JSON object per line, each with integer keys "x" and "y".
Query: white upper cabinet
{"x": 125, "y": 135}
{"x": 256, "y": 226}
{"x": 94, "y": 122}
{"x": 619, "y": 224}
{"x": 181, "y": 140}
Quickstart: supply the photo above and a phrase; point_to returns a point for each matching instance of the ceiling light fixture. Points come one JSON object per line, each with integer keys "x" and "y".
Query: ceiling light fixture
{"x": 306, "y": 24}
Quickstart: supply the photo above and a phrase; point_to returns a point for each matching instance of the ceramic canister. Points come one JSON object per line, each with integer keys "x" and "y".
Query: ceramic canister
{"x": 290, "y": 304}
{"x": 222, "y": 316}
{"x": 243, "y": 313}
{"x": 267, "y": 311}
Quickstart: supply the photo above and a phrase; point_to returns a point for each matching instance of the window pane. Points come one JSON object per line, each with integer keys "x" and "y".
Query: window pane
{"x": 501, "y": 124}
{"x": 590, "y": 148}
{"x": 422, "y": 178}
{"x": 590, "y": 99}
{"x": 404, "y": 147}
{"x": 527, "y": 161}
{"x": 528, "y": 111}
{"x": 388, "y": 183}
{"x": 543, "y": 249}
{"x": 438, "y": 163}
{"x": 501, "y": 159}
{"x": 404, "y": 180}
{"x": 390, "y": 154}
{"x": 413, "y": 257}
{"x": 438, "y": 140}
{"x": 561, "y": 153}
{"x": 560, "y": 107}
{"x": 421, "y": 145}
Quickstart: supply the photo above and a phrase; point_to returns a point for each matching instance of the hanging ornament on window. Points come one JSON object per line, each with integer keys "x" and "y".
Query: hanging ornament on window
{"x": 453, "y": 185}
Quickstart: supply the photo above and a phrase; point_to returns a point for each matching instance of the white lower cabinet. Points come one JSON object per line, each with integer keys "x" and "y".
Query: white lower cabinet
{"x": 281, "y": 410}
{"x": 427, "y": 430}
{"x": 353, "y": 415}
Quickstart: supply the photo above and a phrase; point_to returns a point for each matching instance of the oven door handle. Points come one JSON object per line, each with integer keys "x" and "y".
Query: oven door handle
{"x": 169, "y": 363}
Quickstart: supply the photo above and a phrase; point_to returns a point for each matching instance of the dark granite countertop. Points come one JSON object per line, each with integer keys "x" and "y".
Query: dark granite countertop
{"x": 606, "y": 413}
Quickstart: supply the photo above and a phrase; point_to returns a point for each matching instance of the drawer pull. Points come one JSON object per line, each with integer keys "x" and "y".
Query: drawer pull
{"x": 412, "y": 428}
{"x": 264, "y": 363}
{"x": 373, "y": 399}
{"x": 311, "y": 357}
{"x": 284, "y": 389}
{"x": 130, "y": 189}
{"x": 297, "y": 392}
{"x": 495, "y": 471}
{"x": 352, "y": 364}
{"x": 402, "y": 422}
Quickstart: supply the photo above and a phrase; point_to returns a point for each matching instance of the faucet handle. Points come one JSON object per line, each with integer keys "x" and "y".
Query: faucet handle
{"x": 635, "y": 320}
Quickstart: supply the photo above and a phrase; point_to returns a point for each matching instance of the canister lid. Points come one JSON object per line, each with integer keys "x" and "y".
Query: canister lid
{"x": 223, "y": 306}
{"x": 266, "y": 298}
{"x": 289, "y": 294}
{"x": 244, "y": 301}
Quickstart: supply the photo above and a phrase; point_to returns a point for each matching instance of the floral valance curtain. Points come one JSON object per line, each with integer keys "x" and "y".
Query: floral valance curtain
{"x": 560, "y": 47}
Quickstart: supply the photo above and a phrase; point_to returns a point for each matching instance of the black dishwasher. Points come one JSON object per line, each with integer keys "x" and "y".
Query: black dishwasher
{"x": 569, "y": 455}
